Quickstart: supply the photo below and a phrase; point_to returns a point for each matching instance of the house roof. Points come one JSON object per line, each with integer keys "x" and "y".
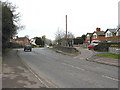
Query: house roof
{"x": 118, "y": 30}
{"x": 100, "y": 33}
{"x": 89, "y": 34}
{"x": 21, "y": 38}
{"x": 111, "y": 30}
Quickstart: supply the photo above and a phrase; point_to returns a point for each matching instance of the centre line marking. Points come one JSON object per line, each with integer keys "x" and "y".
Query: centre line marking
{"x": 74, "y": 66}
{"x": 110, "y": 78}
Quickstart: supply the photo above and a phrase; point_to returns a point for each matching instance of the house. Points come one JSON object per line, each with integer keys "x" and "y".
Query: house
{"x": 32, "y": 41}
{"x": 88, "y": 38}
{"x": 110, "y": 35}
{"x": 118, "y": 35}
{"x": 98, "y": 35}
{"x": 20, "y": 40}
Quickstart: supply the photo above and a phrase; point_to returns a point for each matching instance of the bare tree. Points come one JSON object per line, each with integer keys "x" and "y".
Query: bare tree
{"x": 60, "y": 37}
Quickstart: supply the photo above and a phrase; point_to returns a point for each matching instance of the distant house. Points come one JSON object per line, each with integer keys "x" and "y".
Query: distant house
{"x": 88, "y": 38}
{"x": 118, "y": 33}
{"x": 98, "y": 35}
{"x": 32, "y": 41}
{"x": 110, "y": 34}
{"x": 20, "y": 40}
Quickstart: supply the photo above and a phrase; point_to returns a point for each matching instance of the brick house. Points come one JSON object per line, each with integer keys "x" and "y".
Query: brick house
{"x": 98, "y": 35}
{"x": 20, "y": 40}
{"x": 110, "y": 35}
{"x": 88, "y": 38}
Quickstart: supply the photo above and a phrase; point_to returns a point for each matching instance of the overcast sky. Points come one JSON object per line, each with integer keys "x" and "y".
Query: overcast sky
{"x": 44, "y": 17}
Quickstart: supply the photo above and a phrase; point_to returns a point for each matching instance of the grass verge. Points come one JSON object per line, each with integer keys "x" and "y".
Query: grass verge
{"x": 76, "y": 53}
{"x": 109, "y": 55}
{"x": 84, "y": 47}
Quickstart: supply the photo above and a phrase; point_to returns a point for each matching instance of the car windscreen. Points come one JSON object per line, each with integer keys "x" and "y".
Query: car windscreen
{"x": 27, "y": 45}
{"x": 92, "y": 45}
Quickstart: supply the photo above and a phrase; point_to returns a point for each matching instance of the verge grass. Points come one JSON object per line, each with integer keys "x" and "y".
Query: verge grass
{"x": 109, "y": 55}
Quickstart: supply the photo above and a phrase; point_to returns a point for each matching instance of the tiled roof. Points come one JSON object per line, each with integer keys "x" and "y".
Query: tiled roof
{"x": 89, "y": 34}
{"x": 99, "y": 32}
{"x": 111, "y": 30}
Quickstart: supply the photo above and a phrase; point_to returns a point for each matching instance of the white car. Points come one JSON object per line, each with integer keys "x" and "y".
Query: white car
{"x": 47, "y": 46}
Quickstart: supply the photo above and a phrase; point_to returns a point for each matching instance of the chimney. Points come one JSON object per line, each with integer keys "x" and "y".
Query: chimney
{"x": 97, "y": 29}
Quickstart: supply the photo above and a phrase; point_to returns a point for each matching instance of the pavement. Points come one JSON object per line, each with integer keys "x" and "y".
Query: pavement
{"x": 16, "y": 74}
{"x": 90, "y": 55}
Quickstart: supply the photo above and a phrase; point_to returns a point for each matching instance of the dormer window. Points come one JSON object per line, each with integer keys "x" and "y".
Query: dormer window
{"x": 108, "y": 34}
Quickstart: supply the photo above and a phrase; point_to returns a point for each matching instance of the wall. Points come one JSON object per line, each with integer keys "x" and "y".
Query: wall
{"x": 66, "y": 49}
{"x": 114, "y": 50}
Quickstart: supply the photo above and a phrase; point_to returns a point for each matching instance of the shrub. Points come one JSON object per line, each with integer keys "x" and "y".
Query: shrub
{"x": 102, "y": 46}
{"x": 14, "y": 45}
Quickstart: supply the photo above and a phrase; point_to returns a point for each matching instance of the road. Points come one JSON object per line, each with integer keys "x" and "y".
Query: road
{"x": 64, "y": 71}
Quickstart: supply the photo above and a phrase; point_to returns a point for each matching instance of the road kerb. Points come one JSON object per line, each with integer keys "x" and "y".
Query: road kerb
{"x": 43, "y": 81}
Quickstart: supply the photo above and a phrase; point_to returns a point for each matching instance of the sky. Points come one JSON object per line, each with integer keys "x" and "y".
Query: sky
{"x": 44, "y": 17}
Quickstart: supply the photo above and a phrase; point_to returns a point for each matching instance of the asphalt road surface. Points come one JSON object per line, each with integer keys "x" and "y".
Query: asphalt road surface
{"x": 64, "y": 71}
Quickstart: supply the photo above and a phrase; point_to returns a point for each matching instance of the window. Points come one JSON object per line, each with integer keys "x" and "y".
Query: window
{"x": 109, "y": 35}
{"x": 95, "y": 36}
{"x": 88, "y": 37}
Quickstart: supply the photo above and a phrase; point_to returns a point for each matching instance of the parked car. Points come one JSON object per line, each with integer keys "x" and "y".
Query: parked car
{"x": 27, "y": 47}
{"x": 91, "y": 46}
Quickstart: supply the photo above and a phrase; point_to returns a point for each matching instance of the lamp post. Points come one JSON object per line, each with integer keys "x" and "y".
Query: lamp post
{"x": 66, "y": 30}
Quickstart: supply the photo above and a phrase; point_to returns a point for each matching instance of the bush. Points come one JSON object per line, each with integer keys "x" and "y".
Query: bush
{"x": 41, "y": 45}
{"x": 14, "y": 45}
{"x": 102, "y": 46}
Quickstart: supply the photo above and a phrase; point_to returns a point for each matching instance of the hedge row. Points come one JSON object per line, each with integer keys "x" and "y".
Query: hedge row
{"x": 104, "y": 46}
{"x": 14, "y": 45}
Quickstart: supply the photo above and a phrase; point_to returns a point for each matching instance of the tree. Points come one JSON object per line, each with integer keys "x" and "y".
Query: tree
{"x": 78, "y": 41}
{"x": 39, "y": 41}
{"x": 60, "y": 37}
{"x": 10, "y": 22}
{"x": 44, "y": 38}
{"x": 83, "y": 37}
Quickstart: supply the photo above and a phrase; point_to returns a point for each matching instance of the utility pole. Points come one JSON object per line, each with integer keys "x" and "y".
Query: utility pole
{"x": 66, "y": 30}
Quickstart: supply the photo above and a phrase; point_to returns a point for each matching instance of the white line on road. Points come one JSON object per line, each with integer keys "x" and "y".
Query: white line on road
{"x": 74, "y": 66}
{"x": 84, "y": 70}
{"x": 110, "y": 78}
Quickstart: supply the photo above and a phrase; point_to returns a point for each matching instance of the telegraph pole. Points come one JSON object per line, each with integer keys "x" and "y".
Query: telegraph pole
{"x": 66, "y": 30}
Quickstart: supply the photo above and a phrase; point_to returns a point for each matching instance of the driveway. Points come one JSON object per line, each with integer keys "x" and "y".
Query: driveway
{"x": 85, "y": 53}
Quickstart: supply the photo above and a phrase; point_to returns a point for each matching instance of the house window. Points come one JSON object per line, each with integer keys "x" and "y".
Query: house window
{"x": 118, "y": 34}
{"x": 88, "y": 37}
{"x": 95, "y": 36}
{"x": 109, "y": 34}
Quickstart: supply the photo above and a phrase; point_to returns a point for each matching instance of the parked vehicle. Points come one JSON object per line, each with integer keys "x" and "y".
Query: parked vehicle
{"x": 95, "y": 42}
{"x": 91, "y": 46}
{"x": 27, "y": 47}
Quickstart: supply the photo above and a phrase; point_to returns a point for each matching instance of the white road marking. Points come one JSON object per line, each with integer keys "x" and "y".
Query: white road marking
{"x": 74, "y": 66}
{"x": 75, "y": 57}
{"x": 110, "y": 78}
{"x": 84, "y": 70}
